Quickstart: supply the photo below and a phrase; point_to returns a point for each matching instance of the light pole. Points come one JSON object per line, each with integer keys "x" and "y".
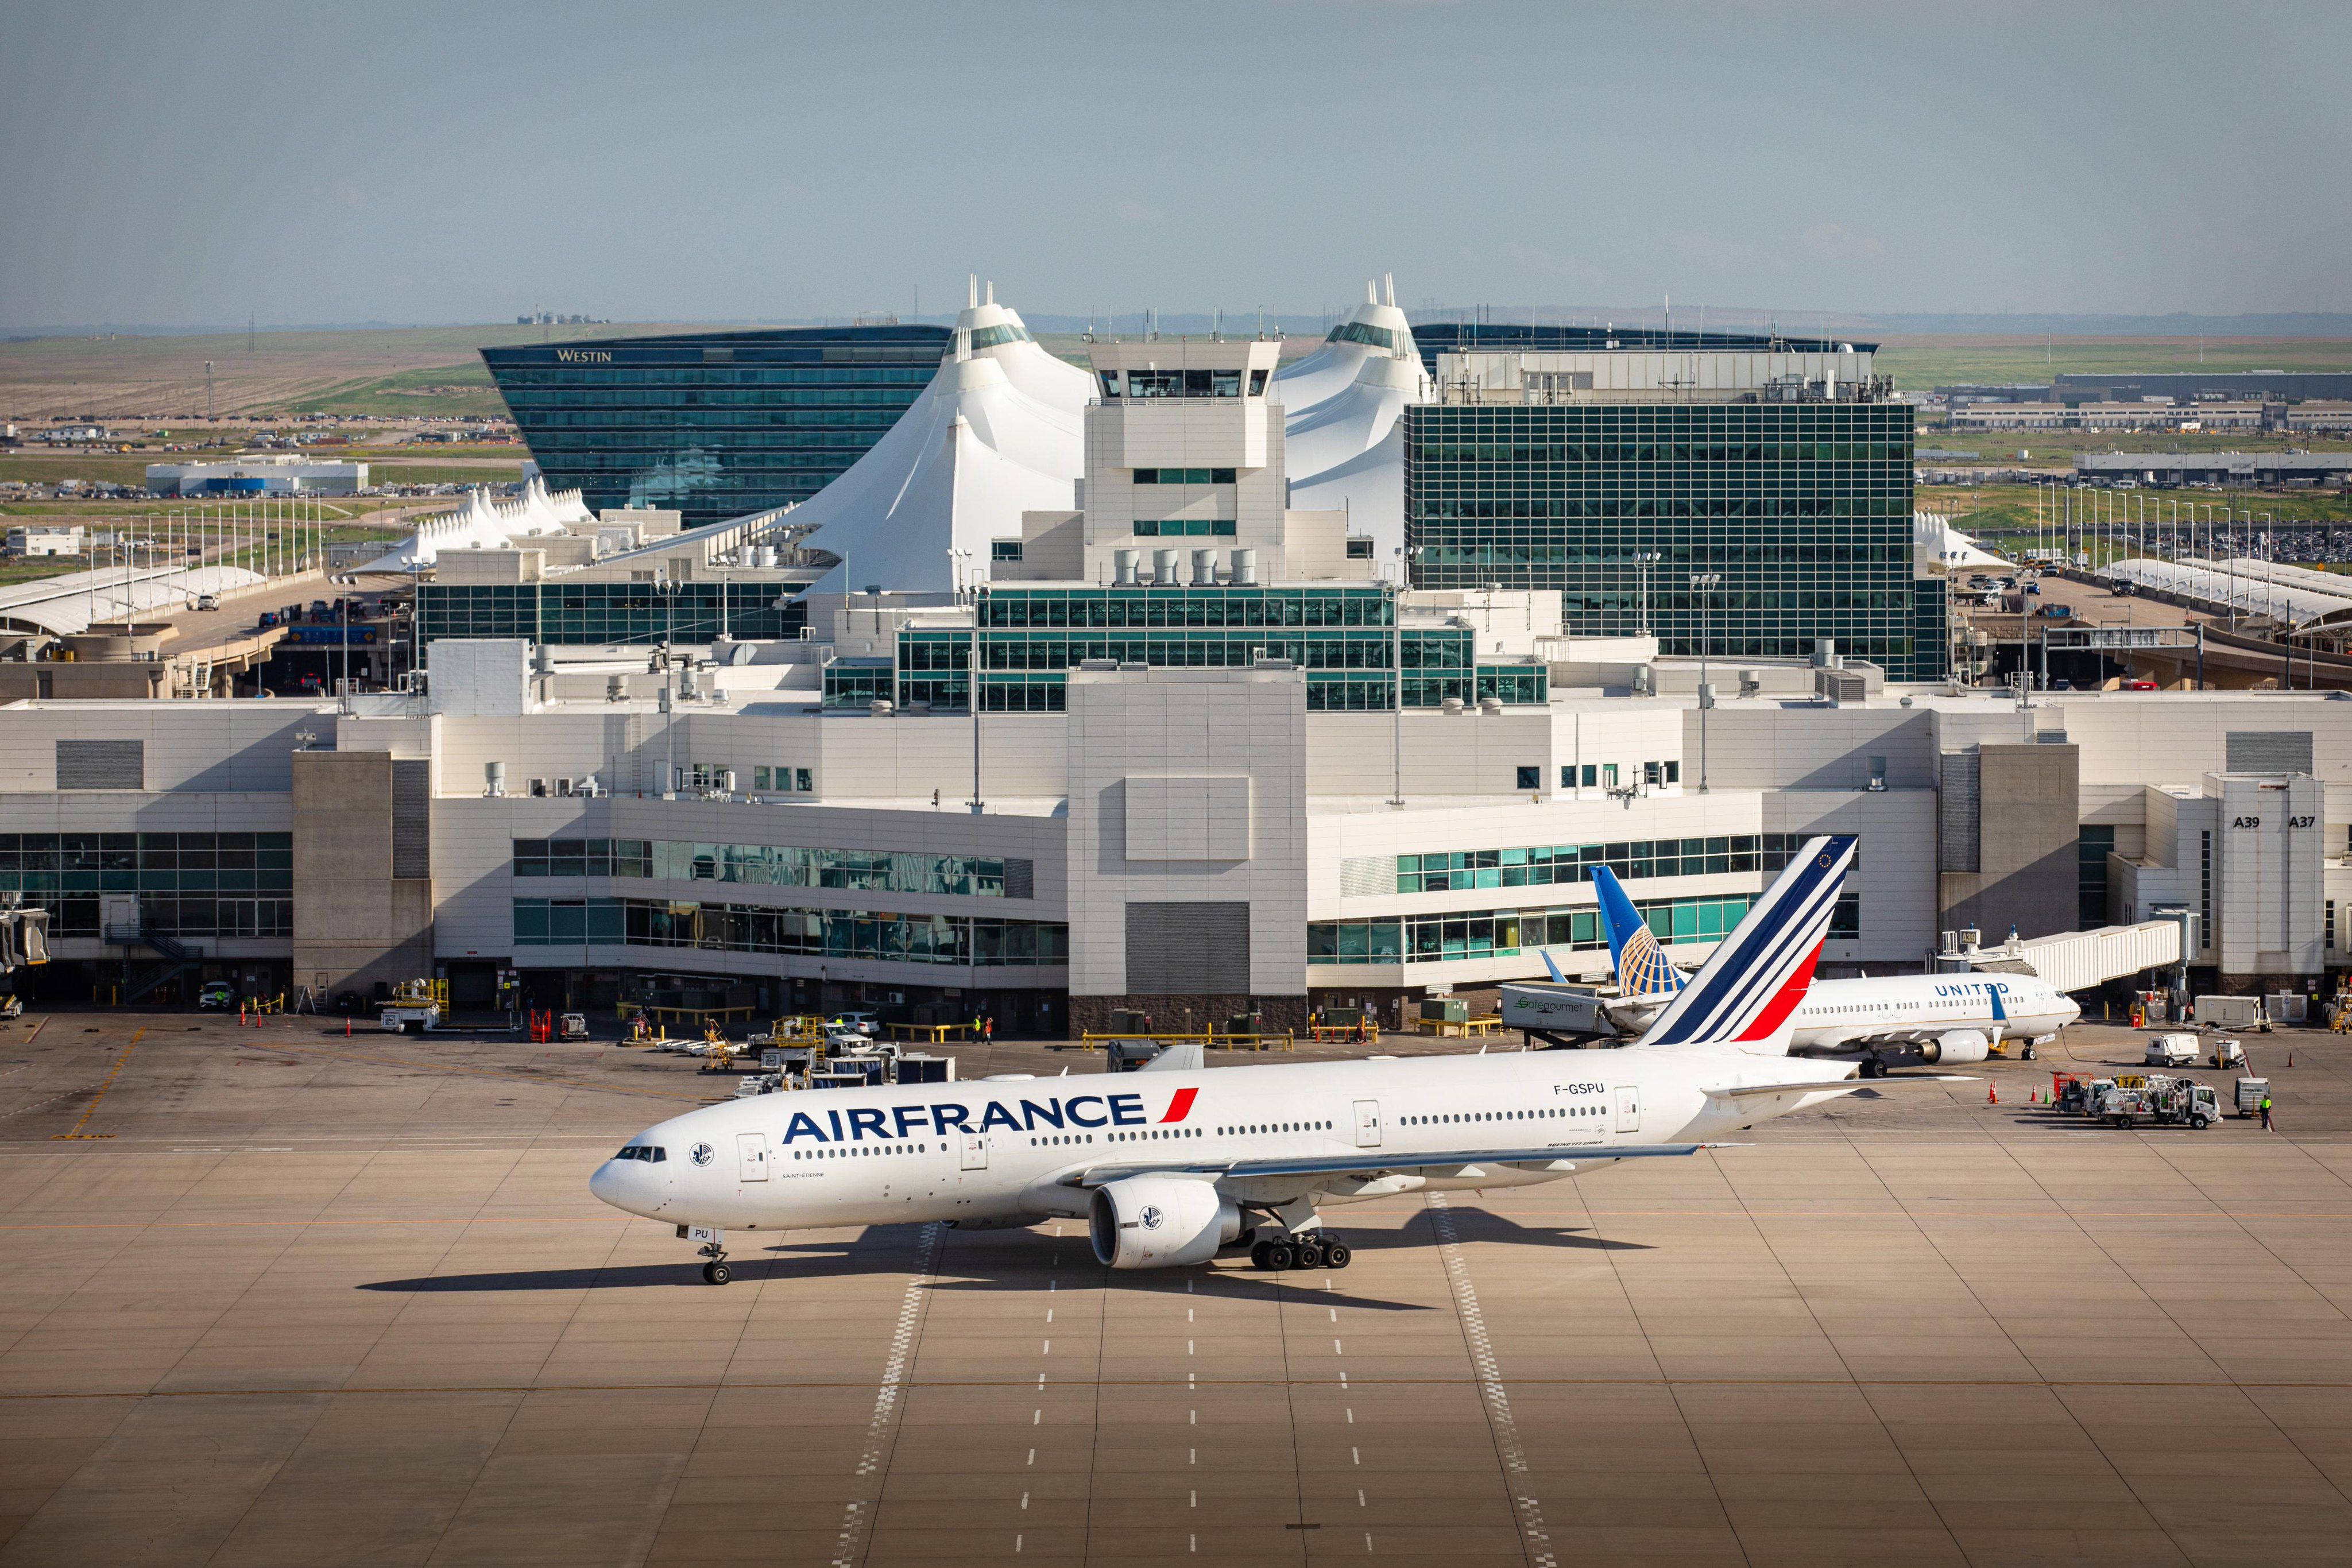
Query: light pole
{"x": 1645, "y": 559}
{"x": 1704, "y": 585}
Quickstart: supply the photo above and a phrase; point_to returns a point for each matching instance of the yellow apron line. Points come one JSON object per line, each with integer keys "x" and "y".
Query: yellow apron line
{"x": 91, "y": 1109}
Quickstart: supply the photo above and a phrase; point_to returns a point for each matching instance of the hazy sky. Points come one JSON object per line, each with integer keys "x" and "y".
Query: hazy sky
{"x": 183, "y": 163}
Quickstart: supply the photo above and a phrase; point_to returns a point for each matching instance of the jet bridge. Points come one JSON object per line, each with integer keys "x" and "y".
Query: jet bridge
{"x": 2070, "y": 960}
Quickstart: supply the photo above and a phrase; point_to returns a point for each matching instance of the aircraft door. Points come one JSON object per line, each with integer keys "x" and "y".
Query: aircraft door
{"x": 975, "y": 1151}
{"x": 751, "y": 1152}
{"x": 1368, "y": 1124}
{"x": 1629, "y": 1108}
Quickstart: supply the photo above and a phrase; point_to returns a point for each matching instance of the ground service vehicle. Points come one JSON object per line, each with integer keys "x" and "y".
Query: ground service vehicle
{"x": 2243, "y": 1013}
{"x": 415, "y": 1007}
{"x": 2165, "y": 1101}
{"x": 2228, "y": 1053}
{"x": 575, "y": 1027}
{"x": 215, "y": 996}
{"x": 2171, "y": 1050}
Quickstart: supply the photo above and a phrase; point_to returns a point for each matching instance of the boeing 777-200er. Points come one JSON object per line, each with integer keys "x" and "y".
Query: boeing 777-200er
{"x": 1889, "y": 1020}
{"x": 1170, "y": 1167}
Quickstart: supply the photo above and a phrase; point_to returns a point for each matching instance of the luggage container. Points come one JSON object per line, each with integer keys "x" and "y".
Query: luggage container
{"x": 2249, "y": 1095}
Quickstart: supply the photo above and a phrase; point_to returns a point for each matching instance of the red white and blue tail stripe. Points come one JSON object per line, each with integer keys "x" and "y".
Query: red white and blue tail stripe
{"x": 1753, "y": 982}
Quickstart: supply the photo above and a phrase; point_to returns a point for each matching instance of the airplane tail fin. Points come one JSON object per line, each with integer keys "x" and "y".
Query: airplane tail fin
{"x": 1552, "y": 968}
{"x": 1641, "y": 963}
{"x": 1751, "y": 984}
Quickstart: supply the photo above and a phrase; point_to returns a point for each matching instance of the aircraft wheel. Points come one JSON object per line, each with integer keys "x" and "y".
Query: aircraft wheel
{"x": 1308, "y": 1255}
{"x": 1338, "y": 1255}
{"x": 2026, "y": 1054}
{"x": 1279, "y": 1257}
{"x": 716, "y": 1273}
{"x": 1258, "y": 1255}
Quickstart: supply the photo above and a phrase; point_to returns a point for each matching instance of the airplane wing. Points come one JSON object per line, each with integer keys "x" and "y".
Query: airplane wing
{"x": 1377, "y": 1162}
{"x": 1830, "y": 1086}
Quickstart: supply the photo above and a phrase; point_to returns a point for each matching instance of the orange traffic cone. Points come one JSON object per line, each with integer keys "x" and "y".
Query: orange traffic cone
{"x": 1992, "y": 1093}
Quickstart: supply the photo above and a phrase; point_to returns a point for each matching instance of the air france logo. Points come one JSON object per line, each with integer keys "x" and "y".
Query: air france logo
{"x": 943, "y": 1118}
{"x": 701, "y": 1153}
{"x": 1151, "y": 1216}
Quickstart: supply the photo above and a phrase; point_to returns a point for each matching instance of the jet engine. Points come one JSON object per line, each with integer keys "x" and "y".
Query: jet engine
{"x": 1160, "y": 1222}
{"x": 1956, "y": 1048}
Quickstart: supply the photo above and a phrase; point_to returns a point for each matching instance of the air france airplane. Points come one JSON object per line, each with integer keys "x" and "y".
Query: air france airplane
{"x": 1939, "y": 1020}
{"x": 1174, "y": 1165}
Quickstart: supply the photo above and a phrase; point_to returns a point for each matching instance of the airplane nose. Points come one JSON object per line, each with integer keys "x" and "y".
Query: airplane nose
{"x": 606, "y": 1183}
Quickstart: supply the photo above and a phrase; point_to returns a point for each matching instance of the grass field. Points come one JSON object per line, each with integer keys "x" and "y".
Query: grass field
{"x": 119, "y": 377}
{"x": 461, "y": 390}
{"x": 2003, "y": 515}
{"x": 2056, "y": 448}
{"x": 1916, "y": 363}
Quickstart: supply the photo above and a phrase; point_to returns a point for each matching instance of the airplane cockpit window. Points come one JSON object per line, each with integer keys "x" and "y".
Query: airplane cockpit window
{"x": 647, "y": 1151}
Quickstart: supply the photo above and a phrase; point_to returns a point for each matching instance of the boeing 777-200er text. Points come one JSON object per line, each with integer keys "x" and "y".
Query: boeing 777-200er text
{"x": 1170, "y": 1166}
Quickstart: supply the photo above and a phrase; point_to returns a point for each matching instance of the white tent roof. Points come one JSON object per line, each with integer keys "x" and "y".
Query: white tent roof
{"x": 2235, "y": 583}
{"x": 1374, "y": 328}
{"x": 1934, "y": 542}
{"x": 999, "y": 431}
{"x": 70, "y": 604}
{"x": 1341, "y": 406}
{"x": 481, "y": 523}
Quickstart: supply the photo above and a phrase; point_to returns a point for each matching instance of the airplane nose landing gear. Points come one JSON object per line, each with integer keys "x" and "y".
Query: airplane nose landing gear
{"x": 714, "y": 1247}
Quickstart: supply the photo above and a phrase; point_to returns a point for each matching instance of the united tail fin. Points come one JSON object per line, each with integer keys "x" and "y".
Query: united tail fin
{"x": 1752, "y": 983}
{"x": 1633, "y": 950}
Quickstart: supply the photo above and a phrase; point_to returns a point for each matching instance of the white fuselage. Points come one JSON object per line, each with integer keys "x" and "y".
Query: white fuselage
{"x": 1842, "y": 1015}
{"x": 994, "y": 1149}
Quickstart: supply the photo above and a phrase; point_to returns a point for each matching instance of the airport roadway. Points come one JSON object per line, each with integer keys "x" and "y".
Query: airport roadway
{"x": 272, "y": 1296}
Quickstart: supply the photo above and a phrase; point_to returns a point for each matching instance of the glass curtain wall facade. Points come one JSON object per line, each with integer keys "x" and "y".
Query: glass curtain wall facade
{"x": 946, "y": 939}
{"x": 1435, "y": 338}
{"x": 189, "y": 884}
{"x": 1031, "y": 638}
{"x": 562, "y": 611}
{"x": 712, "y": 424}
{"x": 1804, "y": 508}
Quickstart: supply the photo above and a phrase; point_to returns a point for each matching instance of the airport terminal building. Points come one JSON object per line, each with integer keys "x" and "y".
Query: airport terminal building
{"x": 1175, "y": 745}
{"x": 1191, "y": 843}
{"x": 711, "y": 425}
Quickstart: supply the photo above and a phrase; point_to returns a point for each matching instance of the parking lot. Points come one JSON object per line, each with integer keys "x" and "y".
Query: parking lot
{"x": 276, "y": 1295}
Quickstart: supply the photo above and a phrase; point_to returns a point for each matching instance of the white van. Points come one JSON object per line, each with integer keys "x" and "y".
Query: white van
{"x": 2172, "y": 1050}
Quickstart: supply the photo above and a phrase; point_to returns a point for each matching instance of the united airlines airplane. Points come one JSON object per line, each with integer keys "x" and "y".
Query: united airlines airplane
{"x": 1939, "y": 1020}
{"x": 1174, "y": 1165}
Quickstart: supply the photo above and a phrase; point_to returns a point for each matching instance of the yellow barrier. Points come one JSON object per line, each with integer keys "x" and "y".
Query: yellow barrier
{"x": 937, "y": 1033}
{"x": 1211, "y": 1040}
{"x": 1491, "y": 1024}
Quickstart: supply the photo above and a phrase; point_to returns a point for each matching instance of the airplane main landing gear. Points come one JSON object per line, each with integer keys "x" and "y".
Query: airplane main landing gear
{"x": 1310, "y": 1251}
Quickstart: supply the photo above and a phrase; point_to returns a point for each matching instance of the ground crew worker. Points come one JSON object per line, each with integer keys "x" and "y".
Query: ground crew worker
{"x": 2266, "y": 1110}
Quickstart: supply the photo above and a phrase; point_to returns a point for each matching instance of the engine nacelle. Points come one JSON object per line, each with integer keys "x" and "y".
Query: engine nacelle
{"x": 1956, "y": 1048}
{"x": 1160, "y": 1222}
